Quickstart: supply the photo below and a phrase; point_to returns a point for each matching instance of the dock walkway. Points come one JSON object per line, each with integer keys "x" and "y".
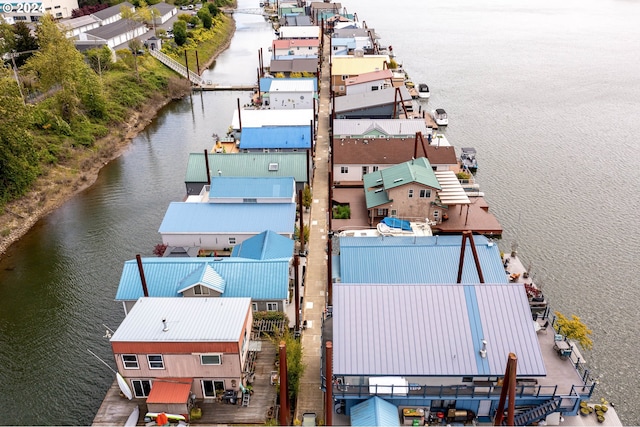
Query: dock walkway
{"x": 311, "y": 397}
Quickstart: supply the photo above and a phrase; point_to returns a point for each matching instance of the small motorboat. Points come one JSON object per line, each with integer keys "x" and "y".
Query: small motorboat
{"x": 423, "y": 91}
{"x": 440, "y": 117}
{"x": 468, "y": 159}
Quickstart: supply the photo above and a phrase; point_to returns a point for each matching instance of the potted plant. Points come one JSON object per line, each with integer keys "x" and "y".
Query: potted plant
{"x": 584, "y": 411}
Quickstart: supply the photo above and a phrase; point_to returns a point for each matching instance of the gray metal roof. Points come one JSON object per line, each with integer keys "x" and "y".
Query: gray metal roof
{"x": 433, "y": 330}
{"x": 350, "y": 127}
{"x": 370, "y": 99}
{"x": 112, "y": 11}
{"x": 163, "y": 7}
{"x": 81, "y": 21}
{"x": 121, "y": 26}
{"x": 187, "y": 320}
{"x": 294, "y": 65}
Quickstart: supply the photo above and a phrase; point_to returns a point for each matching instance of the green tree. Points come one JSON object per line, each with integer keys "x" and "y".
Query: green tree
{"x": 205, "y": 17}
{"x": 59, "y": 66}
{"x": 100, "y": 59}
{"x": 180, "y": 32}
{"x": 213, "y": 9}
{"x": 18, "y": 153}
{"x": 307, "y": 198}
{"x": 23, "y": 42}
{"x": 574, "y": 329}
{"x": 295, "y": 365}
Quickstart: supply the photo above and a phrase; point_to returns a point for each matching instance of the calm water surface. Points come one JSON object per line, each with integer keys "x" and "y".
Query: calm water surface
{"x": 547, "y": 92}
{"x": 57, "y": 285}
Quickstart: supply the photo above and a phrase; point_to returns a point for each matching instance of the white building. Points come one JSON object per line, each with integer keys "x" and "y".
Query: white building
{"x": 33, "y": 11}
{"x": 287, "y": 94}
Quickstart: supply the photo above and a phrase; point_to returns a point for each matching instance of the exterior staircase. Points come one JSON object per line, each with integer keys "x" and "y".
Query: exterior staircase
{"x": 177, "y": 67}
{"x": 537, "y": 413}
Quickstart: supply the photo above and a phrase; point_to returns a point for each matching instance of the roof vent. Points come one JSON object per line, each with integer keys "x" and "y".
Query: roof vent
{"x": 398, "y": 179}
{"x": 378, "y": 190}
{"x": 379, "y": 180}
{"x": 165, "y": 328}
{"x": 273, "y": 167}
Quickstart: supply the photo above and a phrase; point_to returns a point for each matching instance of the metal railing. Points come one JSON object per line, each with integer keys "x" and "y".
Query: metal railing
{"x": 416, "y": 391}
{"x": 177, "y": 67}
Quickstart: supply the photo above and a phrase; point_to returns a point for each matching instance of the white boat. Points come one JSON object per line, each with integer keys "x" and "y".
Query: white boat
{"x": 423, "y": 91}
{"x": 392, "y": 227}
{"x": 124, "y": 387}
{"x": 440, "y": 117}
{"x": 133, "y": 417}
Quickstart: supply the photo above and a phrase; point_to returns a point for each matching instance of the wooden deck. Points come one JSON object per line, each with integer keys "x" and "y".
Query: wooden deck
{"x": 262, "y": 399}
{"x": 115, "y": 409}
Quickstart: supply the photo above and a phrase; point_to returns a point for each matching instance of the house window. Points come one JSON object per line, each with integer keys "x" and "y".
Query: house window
{"x": 211, "y": 359}
{"x": 344, "y": 169}
{"x": 394, "y": 212}
{"x": 254, "y": 306}
{"x": 345, "y": 78}
{"x": 410, "y": 193}
{"x": 232, "y": 240}
{"x": 130, "y": 361}
{"x": 200, "y": 290}
{"x": 425, "y": 193}
{"x": 382, "y": 212}
{"x": 155, "y": 361}
{"x": 374, "y": 88}
{"x": 210, "y": 387}
{"x": 141, "y": 388}
{"x": 272, "y": 306}
{"x": 375, "y": 168}
{"x": 341, "y": 88}
{"x": 365, "y": 170}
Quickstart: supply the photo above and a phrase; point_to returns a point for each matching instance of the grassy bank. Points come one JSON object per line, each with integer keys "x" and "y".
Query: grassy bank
{"x": 207, "y": 43}
{"x": 67, "y": 155}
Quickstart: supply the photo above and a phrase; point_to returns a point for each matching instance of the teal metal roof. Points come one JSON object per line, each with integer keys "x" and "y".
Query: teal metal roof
{"x": 166, "y": 277}
{"x": 251, "y": 187}
{"x": 377, "y": 183}
{"x": 247, "y": 164}
{"x": 206, "y": 276}
{"x": 266, "y": 245}
{"x": 432, "y": 259}
{"x": 375, "y": 412}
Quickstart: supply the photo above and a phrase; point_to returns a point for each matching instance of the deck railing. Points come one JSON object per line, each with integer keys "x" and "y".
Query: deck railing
{"x": 415, "y": 391}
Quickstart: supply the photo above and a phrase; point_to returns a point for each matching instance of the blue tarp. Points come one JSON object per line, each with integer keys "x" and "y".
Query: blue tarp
{"x": 397, "y": 223}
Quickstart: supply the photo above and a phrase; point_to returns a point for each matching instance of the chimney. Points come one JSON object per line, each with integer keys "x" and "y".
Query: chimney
{"x": 141, "y": 271}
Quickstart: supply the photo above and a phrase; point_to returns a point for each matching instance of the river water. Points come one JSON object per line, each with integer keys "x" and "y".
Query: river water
{"x": 547, "y": 92}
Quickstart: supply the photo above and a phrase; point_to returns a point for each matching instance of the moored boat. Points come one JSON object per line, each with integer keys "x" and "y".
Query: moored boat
{"x": 440, "y": 117}
{"x": 468, "y": 159}
{"x": 423, "y": 91}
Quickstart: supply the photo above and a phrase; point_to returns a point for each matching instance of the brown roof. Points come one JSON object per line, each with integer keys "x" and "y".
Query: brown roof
{"x": 383, "y": 151}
